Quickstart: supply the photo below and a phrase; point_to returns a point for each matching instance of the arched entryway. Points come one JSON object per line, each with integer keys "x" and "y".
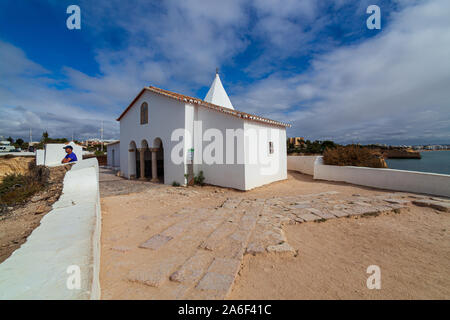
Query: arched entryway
{"x": 143, "y": 161}
{"x": 157, "y": 161}
{"x": 132, "y": 174}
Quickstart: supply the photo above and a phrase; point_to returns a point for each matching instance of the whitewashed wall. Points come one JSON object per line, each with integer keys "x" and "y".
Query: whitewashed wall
{"x": 165, "y": 115}
{"x": 225, "y": 175}
{"x": 303, "y": 164}
{"x": 113, "y": 155}
{"x": 69, "y": 235}
{"x": 400, "y": 180}
{"x": 276, "y": 169}
{"x": 40, "y": 157}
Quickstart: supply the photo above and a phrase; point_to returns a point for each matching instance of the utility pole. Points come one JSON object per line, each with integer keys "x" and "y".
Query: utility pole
{"x": 101, "y": 135}
{"x": 31, "y": 137}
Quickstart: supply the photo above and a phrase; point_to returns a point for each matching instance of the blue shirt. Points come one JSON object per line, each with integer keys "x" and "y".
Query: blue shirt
{"x": 71, "y": 156}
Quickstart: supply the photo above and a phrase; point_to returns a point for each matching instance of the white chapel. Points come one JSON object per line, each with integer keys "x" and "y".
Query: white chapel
{"x": 171, "y": 137}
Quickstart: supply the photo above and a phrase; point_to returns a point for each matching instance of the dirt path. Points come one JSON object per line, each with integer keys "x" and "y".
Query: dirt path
{"x": 197, "y": 243}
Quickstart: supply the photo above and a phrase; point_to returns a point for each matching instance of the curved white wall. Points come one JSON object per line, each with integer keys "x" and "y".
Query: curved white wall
{"x": 400, "y": 180}
{"x": 303, "y": 164}
{"x": 68, "y": 235}
{"x": 392, "y": 179}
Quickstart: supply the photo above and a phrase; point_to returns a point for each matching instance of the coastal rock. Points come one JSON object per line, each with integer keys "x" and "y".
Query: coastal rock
{"x": 402, "y": 154}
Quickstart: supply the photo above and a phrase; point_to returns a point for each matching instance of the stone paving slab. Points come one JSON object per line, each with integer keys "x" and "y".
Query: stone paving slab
{"x": 225, "y": 266}
{"x": 155, "y": 242}
{"x": 320, "y": 213}
{"x": 153, "y": 275}
{"x": 213, "y": 286}
{"x": 214, "y": 241}
{"x": 308, "y": 216}
{"x": 339, "y": 213}
{"x": 280, "y": 248}
{"x": 438, "y": 205}
{"x": 397, "y": 201}
{"x": 220, "y": 277}
{"x": 193, "y": 269}
{"x": 218, "y": 238}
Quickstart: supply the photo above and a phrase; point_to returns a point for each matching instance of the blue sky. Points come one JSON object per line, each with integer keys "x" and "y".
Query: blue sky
{"x": 311, "y": 63}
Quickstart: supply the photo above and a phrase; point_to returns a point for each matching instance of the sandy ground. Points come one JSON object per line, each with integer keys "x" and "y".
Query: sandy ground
{"x": 412, "y": 248}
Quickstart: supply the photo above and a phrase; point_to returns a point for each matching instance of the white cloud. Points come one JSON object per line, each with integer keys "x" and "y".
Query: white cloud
{"x": 391, "y": 87}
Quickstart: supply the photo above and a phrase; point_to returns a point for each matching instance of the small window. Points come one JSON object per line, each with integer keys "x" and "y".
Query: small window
{"x": 270, "y": 147}
{"x": 144, "y": 113}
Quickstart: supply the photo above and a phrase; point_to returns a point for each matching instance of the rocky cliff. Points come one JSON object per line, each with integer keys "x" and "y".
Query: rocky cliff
{"x": 402, "y": 154}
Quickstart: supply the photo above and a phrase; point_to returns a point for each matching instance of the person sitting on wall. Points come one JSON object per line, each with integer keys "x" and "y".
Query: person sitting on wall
{"x": 70, "y": 156}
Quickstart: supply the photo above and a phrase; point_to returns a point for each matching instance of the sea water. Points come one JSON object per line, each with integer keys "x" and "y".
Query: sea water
{"x": 432, "y": 161}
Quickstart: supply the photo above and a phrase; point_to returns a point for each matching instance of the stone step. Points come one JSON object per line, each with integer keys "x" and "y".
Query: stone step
{"x": 218, "y": 280}
{"x": 438, "y": 205}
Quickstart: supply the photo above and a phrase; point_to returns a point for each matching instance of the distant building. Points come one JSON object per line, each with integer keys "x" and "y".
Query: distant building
{"x": 96, "y": 142}
{"x": 296, "y": 141}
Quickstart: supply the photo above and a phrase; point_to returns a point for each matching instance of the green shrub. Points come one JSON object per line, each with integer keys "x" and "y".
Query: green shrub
{"x": 353, "y": 155}
{"x": 199, "y": 179}
{"x": 17, "y": 188}
{"x": 175, "y": 184}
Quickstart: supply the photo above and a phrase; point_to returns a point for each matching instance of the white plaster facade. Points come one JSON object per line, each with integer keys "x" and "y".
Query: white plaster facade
{"x": 67, "y": 239}
{"x": 113, "y": 155}
{"x": 168, "y": 111}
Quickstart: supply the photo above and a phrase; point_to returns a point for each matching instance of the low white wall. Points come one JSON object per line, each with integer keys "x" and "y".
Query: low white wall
{"x": 303, "y": 164}
{"x": 400, "y": 180}
{"x": 40, "y": 157}
{"x": 69, "y": 235}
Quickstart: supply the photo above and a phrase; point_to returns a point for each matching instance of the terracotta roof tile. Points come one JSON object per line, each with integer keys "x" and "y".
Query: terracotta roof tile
{"x": 185, "y": 98}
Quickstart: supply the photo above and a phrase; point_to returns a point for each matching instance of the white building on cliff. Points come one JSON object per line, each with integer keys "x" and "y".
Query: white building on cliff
{"x": 165, "y": 136}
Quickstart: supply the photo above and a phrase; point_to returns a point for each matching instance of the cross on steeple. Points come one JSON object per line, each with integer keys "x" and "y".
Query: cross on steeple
{"x": 217, "y": 70}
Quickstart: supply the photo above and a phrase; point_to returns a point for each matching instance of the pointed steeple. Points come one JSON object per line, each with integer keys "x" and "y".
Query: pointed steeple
{"x": 217, "y": 94}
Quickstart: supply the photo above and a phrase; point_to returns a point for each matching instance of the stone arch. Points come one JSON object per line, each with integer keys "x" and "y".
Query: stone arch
{"x": 132, "y": 160}
{"x": 157, "y": 143}
{"x": 144, "y": 143}
{"x": 143, "y": 161}
{"x": 157, "y": 160}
